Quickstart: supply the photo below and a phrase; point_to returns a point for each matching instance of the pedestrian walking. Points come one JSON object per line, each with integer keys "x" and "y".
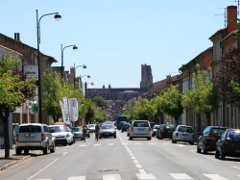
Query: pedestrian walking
{"x": 84, "y": 132}
{"x": 97, "y": 127}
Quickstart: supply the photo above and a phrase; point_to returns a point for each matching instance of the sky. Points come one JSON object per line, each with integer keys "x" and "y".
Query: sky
{"x": 115, "y": 37}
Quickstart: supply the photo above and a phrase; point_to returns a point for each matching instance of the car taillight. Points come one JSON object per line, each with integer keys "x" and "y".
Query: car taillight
{"x": 226, "y": 142}
{"x": 43, "y": 137}
{"x": 211, "y": 137}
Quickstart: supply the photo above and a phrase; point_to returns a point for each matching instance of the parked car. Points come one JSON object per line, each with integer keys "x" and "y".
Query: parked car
{"x": 183, "y": 133}
{"x": 228, "y": 144}
{"x": 62, "y": 134}
{"x": 34, "y": 136}
{"x": 91, "y": 128}
{"x": 107, "y": 130}
{"x": 165, "y": 131}
{"x": 154, "y": 129}
{"x": 124, "y": 127}
{"x": 207, "y": 140}
{"x": 140, "y": 129}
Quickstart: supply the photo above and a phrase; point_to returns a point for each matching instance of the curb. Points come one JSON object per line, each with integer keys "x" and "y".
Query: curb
{"x": 4, "y": 167}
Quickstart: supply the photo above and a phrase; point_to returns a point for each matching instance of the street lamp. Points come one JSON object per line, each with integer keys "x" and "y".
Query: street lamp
{"x": 88, "y": 76}
{"x": 75, "y": 68}
{"x": 85, "y": 87}
{"x": 57, "y": 16}
{"x": 62, "y": 50}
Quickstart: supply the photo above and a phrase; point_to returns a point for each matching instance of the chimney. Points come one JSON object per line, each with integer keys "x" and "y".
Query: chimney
{"x": 231, "y": 18}
{"x": 17, "y": 36}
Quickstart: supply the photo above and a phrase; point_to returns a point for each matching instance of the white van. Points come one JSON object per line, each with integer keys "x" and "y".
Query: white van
{"x": 140, "y": 129}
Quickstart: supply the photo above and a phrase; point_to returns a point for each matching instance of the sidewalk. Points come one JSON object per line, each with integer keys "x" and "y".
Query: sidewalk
{"x": 14, "y": 159}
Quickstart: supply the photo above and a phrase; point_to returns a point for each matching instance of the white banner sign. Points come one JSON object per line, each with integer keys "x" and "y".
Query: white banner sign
{"x": 66, "y": 112}
{"x": 31, "y": 71}
{"x": 73, "y": 109}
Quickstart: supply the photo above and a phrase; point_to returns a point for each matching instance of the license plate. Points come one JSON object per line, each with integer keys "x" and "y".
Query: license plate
{"x": 140, "y": 129}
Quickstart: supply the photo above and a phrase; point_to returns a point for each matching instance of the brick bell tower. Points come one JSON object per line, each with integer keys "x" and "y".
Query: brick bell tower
{"x": 146, "y": 77}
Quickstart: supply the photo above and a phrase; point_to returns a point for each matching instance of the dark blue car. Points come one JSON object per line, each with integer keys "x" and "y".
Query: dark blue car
{"x": 125, "y": 127}
{"x": 228, "y": 144}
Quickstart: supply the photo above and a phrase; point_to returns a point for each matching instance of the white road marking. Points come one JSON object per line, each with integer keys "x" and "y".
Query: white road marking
{"x": 97, "y": 144}
{"x": 214, "y": 177}
{"x": 65, "y": 153}
{"x": 135, "y": 161}
{"x": 152, "y": 144}
{"x": 180, "y": 176}
{"x": 111, "y": 144}
{"x": 238, "y": 175}
{"x": 144, "y": 175}
{"x": 236, "y": 167}
{"x": 82, "y": 145}
{"x": 47, "y": 166}
{"x": 77, "y": 178}
{"x": 133, "y": 157}
{"x": 138, "y": 166}
{"x": 112, "y": 177}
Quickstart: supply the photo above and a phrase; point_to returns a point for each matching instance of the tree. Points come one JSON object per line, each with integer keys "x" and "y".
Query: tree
{"x": 15, "y": 89}
{"x": 52, "y": 94}
{"x": 203, "y": 95}
{"x": 100, "y": 102}
{"x": 171, "y": 102}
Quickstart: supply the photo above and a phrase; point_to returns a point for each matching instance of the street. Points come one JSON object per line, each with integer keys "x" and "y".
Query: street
{"x": 121, "y": 159}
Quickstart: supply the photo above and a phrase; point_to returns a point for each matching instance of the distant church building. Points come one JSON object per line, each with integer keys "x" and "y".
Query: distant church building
{"x": 116, "y": 97}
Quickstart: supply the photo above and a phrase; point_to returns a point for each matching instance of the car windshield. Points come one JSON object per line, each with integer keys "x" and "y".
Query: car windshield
{"x": 55, "y": 129}
{"x": 217, "y": 131}
{"x": 90, "y": 125}
{"x": 77, "y": 129}
{"x": 30, "y": 129}
{"x": 140, "y": 124}
{"x": 185, "y": 129}
{"x": 156, "y": 126}
{"x": 107, "y": 127}
{"x": 234, "y": 135}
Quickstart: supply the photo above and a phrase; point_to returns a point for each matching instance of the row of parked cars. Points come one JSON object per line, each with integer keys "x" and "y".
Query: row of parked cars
{"x": 38, "y": 136}
{"x": 224, "y": 141}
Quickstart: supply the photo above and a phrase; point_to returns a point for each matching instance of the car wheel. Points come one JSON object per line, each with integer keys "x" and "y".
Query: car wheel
{"x": 149, "y": 138}
{"x": 18, "y": 151}
{"x": 222, "y": 155}
{"x": 191, "y": 143}
{"x": 115, "y": 136}
{"x": 174, "y": 141}
{"x": 204, "y": 150}
{"x": 130, "y": 138}
{"x": 198, "y": 150}
{"x": 217, "y": 154}
{"x": 45, "y": 150}
{"x": 53, "y": 149}
{"x": 26, "y": 151}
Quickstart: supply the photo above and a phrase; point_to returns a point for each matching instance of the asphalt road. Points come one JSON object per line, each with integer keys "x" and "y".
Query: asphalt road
{"x": 122, "y": 159}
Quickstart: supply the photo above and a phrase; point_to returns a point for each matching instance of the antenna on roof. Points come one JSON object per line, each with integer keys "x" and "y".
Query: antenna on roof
{"x": 225, "y": 16}
{"x": 237, "y": 6}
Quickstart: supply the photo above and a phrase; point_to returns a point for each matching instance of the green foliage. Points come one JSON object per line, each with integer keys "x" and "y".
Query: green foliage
{"x": 100, "y": 102}
{"x": 12, "y": 86}
{"x": 171, "y": 102}
{"x": 203, "y": 95}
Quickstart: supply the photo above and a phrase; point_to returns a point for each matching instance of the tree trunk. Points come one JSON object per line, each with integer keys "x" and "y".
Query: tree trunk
{"x": 4, "y": 116}
{"x": 198, "y": 122}
{"x": 176, "y": 120}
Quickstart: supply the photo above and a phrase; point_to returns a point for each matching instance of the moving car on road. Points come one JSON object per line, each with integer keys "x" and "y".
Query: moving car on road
{"x": 165, "y": 131}
{"x": 207, "y": 140}
{"x": 107, "y": 130}
{"x": 228, "y": 144}
{"x": 91, "y": 128}
{"x": 124, "y": 127}
{"x": 34, "y": 136}
{"x": 140, "y": 129}
{"x": 183, "y": 133}
{"x": 62, "y": 134}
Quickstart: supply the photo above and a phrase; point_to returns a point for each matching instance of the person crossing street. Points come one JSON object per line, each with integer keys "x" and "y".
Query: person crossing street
{"x": 97, "y": 127}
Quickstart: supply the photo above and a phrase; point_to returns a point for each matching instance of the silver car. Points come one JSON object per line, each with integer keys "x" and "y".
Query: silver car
{"x": 183, "y": 133}
{"x": 34, "y": 136}
{"x": 140, "y": 129}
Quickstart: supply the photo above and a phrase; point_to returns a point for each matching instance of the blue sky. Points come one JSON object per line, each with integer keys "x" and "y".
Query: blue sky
{"x": 115, "y": 37}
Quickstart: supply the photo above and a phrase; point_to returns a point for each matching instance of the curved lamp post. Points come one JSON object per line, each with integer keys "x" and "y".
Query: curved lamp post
{"x": 38, "y": 20}
{"x": 75, "y": 68}
{"x": 74, "y": 47}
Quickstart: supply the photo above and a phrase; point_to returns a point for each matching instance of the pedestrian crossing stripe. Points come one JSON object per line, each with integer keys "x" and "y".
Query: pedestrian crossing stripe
{"x": 77, "y": 178}
{"x": 112, "y": 177}
{"x": 180, "y": 176}
{"x": 214, "y": 177}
